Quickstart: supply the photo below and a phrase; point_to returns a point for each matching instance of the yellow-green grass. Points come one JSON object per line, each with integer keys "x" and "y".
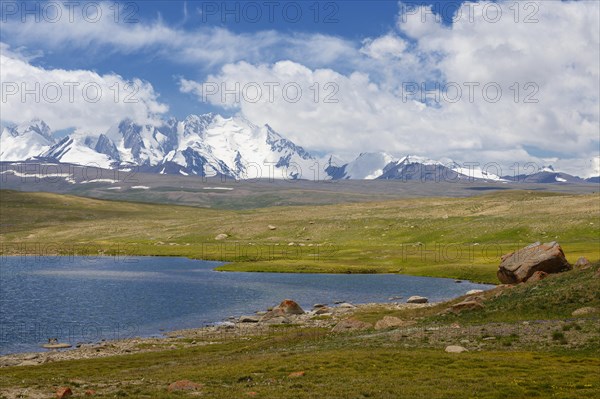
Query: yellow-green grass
{"x": 369, "y": 237}
{"x": 442, "y": 237}
{"x": 335, "y": 367}
{"x": 555, "y": 297}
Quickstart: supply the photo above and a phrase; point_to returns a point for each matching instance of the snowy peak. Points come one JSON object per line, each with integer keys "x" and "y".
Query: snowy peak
{"x": 414, "y": 159}
{"x": 548, "y": 169}
{"x": 37, "y": 127}
{"x": 412, "y": 167}
{"x": 284, "y": 146}
{"x": 381, "y": 165}
{"x": 195, "y": 125}
{"x": 79, "y": 150}
{"x": 205, "y": 145}
{"x": 105, "y": 146}
{"x": 545, "y": 174}
{"x": 234, "y": 147}
{"x": 143, "y": 144}
{"x": 368, "y": 165}
{"x": 25, "y": 141}
{"x": 248, "y": 151}
{"x": 334, "y": 167}
{"x": 59, "y": 149}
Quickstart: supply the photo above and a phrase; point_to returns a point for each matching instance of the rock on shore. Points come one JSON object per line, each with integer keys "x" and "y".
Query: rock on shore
{"x": 455, "y": 349}
{"x": 417, "y": 299}
{"x": 517, "y": 267}
{"x": 286, "y": 308}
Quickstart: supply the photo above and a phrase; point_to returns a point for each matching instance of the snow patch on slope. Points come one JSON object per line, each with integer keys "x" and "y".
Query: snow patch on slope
{"x": 68, "y": 177}
{"x": 76, "y": 149}
{"x": 368, "y": 165}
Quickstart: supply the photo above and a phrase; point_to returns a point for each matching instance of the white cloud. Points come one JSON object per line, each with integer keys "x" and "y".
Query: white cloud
{"x": 72, "y": 98}
{"x": 578, "y": 167}
{"x": 204, "y": 46}
{"x": 20, "y": 53}
{"x": 420, "y": 22}
{"x": 384, "y": 47}
{"x": 349, "y": 112}
{"x": 560, "y": 54}
{"x": 554, "y": 61}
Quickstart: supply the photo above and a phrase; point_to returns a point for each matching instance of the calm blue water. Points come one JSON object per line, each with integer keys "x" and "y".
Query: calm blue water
{"x": 79, "y": 299}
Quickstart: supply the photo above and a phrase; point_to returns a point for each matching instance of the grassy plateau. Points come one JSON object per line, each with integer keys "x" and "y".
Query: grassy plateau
{"x": 523, "y": 342}
{"x": 441, "y": 237}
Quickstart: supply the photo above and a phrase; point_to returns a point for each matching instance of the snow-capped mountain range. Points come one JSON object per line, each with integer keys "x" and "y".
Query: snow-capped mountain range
{"x": 211, "y": 145}
{"x": 205, "y": 145}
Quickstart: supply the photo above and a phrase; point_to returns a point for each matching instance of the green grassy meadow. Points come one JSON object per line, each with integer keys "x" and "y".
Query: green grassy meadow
{"x": 443, "y": 237}
{"x": 333, "y": 370}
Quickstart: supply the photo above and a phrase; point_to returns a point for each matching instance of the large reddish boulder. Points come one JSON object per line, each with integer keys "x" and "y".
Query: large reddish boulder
{"x": 285, "y": 308}
{"x": 519, "y": 266}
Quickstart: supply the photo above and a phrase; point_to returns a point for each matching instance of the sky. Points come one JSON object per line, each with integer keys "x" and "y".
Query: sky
{"x": 506, "y": 81}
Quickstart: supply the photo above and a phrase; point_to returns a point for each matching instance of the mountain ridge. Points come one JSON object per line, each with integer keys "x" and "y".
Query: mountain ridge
{"x": 211, "y": 145}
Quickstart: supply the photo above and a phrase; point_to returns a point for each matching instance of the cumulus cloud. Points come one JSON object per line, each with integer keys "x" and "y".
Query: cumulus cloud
{"x": 345, "y": 112}
{"x": 72, "y": 98}
{"x": 551, "y": 50}
{"x": 424, "y": 87}
{"x": 487, "y": 90}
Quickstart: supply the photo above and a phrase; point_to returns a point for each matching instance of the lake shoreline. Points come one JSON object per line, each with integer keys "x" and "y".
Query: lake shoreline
{"x": 180, "y": 279}
{"x": 180, "y": 339}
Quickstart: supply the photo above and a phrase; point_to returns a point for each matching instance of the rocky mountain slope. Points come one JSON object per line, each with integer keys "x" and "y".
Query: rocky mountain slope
{"x": 211, "y": 145}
